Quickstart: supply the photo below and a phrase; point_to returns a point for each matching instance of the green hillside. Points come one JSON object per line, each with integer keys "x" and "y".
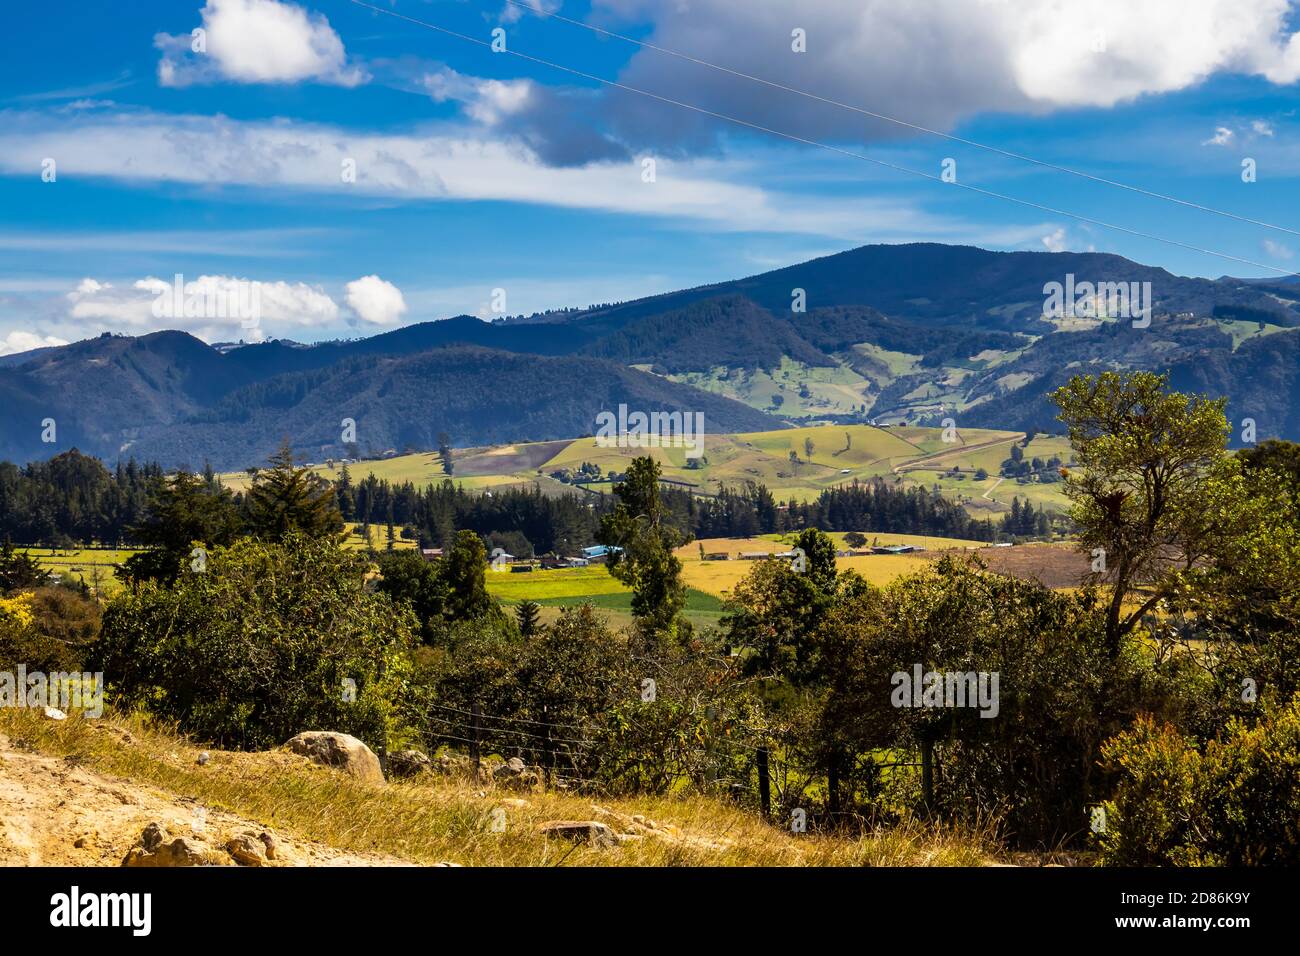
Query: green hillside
{"x": 911, "y": 456}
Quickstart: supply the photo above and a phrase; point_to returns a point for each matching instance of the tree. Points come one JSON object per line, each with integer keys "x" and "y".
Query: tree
{"x": 855, "y": 539}
{"x": 776, "y": 609}
{"x": 182, "y": 511}
{"x": 808, "y": 447}
{"x": 465, "y": 570}
{"x": 1145, "y": 457}
{"x": 1280, "y": 457}
{"x": 527, "y": 614}
{"x": 645, "y": 542}
{"x": 18, "y": 570}
{"x": 271, "y": 639}
{"x": 285, "y": 499}
{"x": 444, "y": 452}
{"x": 410, "y": 580}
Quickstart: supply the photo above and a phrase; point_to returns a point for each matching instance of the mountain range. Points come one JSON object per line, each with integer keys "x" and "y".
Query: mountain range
{"x": 888, "y": 333}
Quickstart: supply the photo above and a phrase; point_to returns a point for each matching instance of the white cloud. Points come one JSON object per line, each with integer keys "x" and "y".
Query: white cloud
{"x": 487, "y": 101}
{"x": 1054, "y": 241}
{"x": 257, "y": 41}
{"x": 227, "y": 307}
{"x": 375, "y": 301}
{"x": 1222, "y": 137}
{"x": 449, "y": 164}
{"x": 19, "y": 341}
{"x": 1277, "y": 250}
{"x": 512, "y": 12}
{"x": 936, "y": 63}
{"x": 1262, "y": 128}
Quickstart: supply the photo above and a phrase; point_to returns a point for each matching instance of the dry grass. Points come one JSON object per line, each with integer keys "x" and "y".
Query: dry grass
{"x": 447, "y": 819}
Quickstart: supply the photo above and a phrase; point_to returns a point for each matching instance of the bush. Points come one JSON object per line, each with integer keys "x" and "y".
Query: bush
{"x": 260, "y": 646}
{"x": 572, "y": 699}
{"x": 1235, "y": 803}
{"x": 1034, "y": 764}
{"x": 48, "y": 629}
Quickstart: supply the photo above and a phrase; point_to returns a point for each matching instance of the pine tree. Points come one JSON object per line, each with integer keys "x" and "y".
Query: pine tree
{"x": 527, "y": 614}
{"x": 285, "y": 498}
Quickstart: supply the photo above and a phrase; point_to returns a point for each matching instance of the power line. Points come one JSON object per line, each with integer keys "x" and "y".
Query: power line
{"x": 826, "y": 146}
{"x": 899, "y": 122}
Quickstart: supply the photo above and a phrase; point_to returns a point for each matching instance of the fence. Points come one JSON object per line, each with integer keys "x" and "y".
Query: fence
{"x": 745, "y": 764}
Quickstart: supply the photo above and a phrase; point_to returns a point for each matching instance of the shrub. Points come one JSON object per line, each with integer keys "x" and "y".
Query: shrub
{"x": 261, "y": 646}
{"x": 1034, "y": 764}
{"x": 1234, "y": 803}
{"x": 47, "y": 629}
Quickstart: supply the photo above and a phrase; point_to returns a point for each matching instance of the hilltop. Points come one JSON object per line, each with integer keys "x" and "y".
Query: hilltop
{"x": 907, "y": 334}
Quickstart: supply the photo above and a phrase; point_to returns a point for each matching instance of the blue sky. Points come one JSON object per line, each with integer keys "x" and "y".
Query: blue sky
{"x": 478, "y": 171}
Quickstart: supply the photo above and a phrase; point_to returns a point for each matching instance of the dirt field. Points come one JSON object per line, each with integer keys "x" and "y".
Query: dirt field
{"x": 1054, "y": 565}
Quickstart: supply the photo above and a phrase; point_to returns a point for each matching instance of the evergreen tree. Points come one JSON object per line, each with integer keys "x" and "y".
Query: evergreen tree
{"x": 285, "y": 498}
{"x": 527, "y": 614}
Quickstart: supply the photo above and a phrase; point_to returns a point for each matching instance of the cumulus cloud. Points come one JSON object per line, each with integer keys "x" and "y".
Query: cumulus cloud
{"x": 375, "y": 301}
{"x": 486, "y": 101}
{"x": 1222, "y": 137}
{"x": 256, "y": 41}
{"x": 932, "y": 64}
{"x": 212, "y": 307}
{"x": 21, "y": 341}
{"x": 1054, "y": 241}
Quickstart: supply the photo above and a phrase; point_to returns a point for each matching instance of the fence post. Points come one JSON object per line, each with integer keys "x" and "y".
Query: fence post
{"x": 927, "y": 772}
{"x": 473, "y": 733}
{"x": 764, "y": 784}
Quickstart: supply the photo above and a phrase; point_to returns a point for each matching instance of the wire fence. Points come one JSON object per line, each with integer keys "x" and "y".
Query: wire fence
{"x": 748, "y": 764}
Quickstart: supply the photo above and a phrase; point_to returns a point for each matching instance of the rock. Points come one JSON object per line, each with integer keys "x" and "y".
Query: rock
{"x": 453, "y": 764}
{"x": 247, "y": 849}
{"x": 517, "y": 775}
{"x": 591, "y": 832}
{"x": 341, "y": 751}
{"x": 154, "y": 849}
{"x": 53, "y": 713}
{"x": 204, "y": 757}
{"x": 153, "y": 836}
{"x": 408, "y": 763}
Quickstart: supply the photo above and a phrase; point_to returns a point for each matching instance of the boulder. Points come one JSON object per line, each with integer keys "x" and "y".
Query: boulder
{"x": 341, "y": 751}
{"x": 591, "y": 832}
{"x": 408, "y": 763}
{"x": 157, "y": 849}
{"x": 247, "y": 849}
{"x": 517, "y": 775}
